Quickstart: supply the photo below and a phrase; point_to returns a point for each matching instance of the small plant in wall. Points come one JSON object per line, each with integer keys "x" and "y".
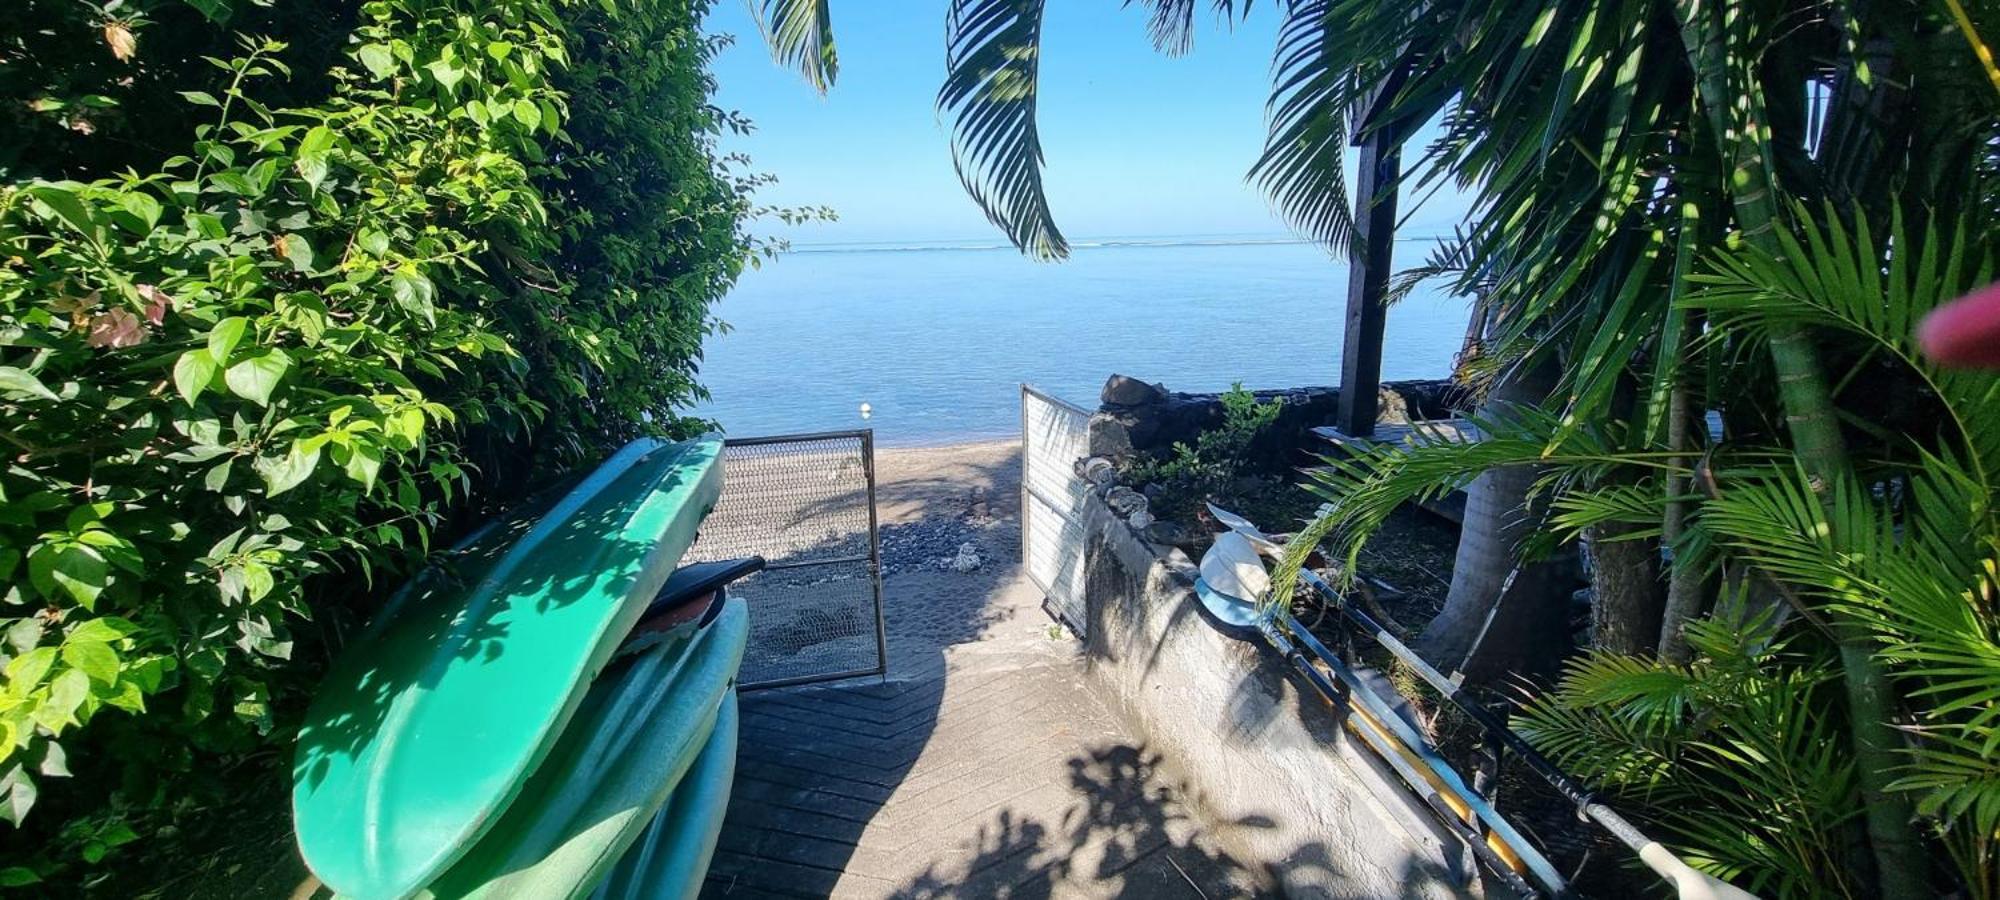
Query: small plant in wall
{"x": 1179, "y": 481}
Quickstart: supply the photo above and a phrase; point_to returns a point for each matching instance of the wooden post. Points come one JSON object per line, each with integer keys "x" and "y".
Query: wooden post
{"x": 1368, "y": 281}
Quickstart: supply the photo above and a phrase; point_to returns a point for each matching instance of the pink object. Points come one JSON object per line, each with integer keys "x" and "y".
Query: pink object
{"x": 1966, "y": 331}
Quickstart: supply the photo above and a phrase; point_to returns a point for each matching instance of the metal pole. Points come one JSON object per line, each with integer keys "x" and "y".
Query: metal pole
{"x": 875, "y": 554}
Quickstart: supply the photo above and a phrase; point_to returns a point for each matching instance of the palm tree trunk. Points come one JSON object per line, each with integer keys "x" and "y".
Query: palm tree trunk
{"x": 1720, "y": 43}
{"x": 1498, "y": 619}
{"x": 1684, "y": 592}
{"x": 1626, "y": 600}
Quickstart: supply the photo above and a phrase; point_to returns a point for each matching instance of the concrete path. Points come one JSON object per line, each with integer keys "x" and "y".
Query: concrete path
{"x": 982, "y": 767}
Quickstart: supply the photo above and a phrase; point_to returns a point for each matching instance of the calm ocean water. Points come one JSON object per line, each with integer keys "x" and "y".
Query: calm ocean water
{"x": 937, "y": 339}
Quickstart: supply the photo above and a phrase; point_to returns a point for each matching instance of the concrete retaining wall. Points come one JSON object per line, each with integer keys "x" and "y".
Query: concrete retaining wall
{"x": 1279, "y": 780}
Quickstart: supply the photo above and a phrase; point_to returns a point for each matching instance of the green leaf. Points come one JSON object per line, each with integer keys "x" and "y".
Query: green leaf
{"x": 61, "y": 197}
{"x": 257, "y": 580}
{"x": 25, "y": 633}
{"x": 55, "y": 762}
{"x": 312, "y": 169}
{"x": 527, "y": 113}
{"x": 298, "y": 252}
{"x": 283, "y": 474}
{"x": 414, "y": 292}
{"x": 142, "y": 206}
{"x": 95, "y": 658}
{"x": 253, "y": 379}
{"x": 217, "y": 11}
{"x": 27, "y": 670}
{"x": 67, "y": 694}
{"x": 317, "y": 141}
{"x": 18, "y": 876}
{"x": 364, "y": 462}
{"x": 223, "y": 337}
{"x": 378, "y": 59}
{"x": 217, "y": 478}
{"x": 74, "y": 569}
{"x": 447, "y": 73}
{"x": 18, "y": 381}
{"x": 194, "y": 372}
{"x": 17, "y": 794}
{"x": 103, "y": 628}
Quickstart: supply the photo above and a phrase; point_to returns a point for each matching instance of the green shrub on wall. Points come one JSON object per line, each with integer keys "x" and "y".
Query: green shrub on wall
{"x": 244, "y": 377}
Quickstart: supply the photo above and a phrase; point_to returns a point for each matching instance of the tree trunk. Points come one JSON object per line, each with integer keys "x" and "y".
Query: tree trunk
{"x": 1722, "y": 46}
{"x": 1626, "y": 595}
{"x": 1684, "y": 588}
{"x": 1498, "y": 618}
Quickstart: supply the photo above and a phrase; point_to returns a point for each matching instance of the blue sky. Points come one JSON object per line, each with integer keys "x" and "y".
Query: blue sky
{"x": 1138, "y": 144}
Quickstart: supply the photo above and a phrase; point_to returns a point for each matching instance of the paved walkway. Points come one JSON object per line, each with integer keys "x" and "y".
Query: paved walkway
{"x": 1004, "y": 777}
{"x": 983, "y": 767}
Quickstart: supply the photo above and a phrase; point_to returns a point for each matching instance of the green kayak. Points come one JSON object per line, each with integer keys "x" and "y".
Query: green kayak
{"x": 636, "y": 735}
{"x": 430, "y": 723}
{"x": 672, "y": 857}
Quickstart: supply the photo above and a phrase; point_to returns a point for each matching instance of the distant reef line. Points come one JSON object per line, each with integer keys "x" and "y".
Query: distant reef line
{"x": 1107, "y": 243}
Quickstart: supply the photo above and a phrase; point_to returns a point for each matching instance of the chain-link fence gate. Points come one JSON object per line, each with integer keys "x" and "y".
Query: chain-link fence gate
{"x": 806, "y": 503}
{"x": 1054, "y": 435}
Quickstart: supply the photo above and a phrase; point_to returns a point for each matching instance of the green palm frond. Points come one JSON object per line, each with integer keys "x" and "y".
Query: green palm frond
{"x": 1837, "y": 276}
{"x": 1364, "y": 486}
{"x": 800, "y": 35}
{"x": 1739, "y": 756}
{"x": 992, "y": 71}
{"x": 1171, "y": 23}
{"x": 1313, "y": 96}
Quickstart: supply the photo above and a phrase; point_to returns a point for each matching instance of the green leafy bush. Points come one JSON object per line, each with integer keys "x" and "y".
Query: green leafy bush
{"x": 459, "y": 246}
{"x": 1188, "y": 476}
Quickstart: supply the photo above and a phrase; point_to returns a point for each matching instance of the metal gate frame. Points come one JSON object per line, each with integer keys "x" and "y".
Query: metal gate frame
{"x": 1063, "y": 593}
{"x": 873, "y": 557}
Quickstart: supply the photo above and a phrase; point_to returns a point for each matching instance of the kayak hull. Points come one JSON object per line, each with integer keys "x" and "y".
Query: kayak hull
{"x": 629, "y": 746}
{"x": 671, "y": 858}
{"x": 434, "y": 720}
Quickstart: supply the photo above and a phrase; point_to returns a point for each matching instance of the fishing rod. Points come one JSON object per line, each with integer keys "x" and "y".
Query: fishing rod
{"x": 1690, "y": 883}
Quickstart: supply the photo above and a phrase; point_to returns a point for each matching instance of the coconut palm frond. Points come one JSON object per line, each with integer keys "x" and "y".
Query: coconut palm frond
{"x": 1314, "y": 95}
{"x": 800, "y": 35}
{"x": 1451, "y": 259}
{"x": 992, "y": 71}
{"x": 1171, "y": 24}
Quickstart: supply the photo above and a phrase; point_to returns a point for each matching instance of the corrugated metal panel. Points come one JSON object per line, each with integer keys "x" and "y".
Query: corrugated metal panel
{"x": 1054, "y": 435}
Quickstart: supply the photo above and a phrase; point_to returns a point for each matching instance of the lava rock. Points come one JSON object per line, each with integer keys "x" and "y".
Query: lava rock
{"x": 1124, "y": 390}
{"x": 1125, "y": 501}
{"x": 1097, "y": 470}
{"x": 1108, "y": 436}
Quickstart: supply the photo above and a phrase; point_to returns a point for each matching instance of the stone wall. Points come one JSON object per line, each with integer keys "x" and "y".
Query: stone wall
{"x": 1135, "y": 416}
{"x": 1278, "y": 778}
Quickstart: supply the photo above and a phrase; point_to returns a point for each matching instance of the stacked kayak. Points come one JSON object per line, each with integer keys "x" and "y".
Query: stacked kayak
{"x": 496, "y": 732}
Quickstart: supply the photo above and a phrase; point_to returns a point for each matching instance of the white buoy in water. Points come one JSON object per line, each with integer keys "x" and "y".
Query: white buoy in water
{"x": 867, "y": 410}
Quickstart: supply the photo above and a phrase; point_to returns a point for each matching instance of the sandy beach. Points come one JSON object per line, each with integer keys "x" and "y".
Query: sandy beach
{"x": 932, "y": 503}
